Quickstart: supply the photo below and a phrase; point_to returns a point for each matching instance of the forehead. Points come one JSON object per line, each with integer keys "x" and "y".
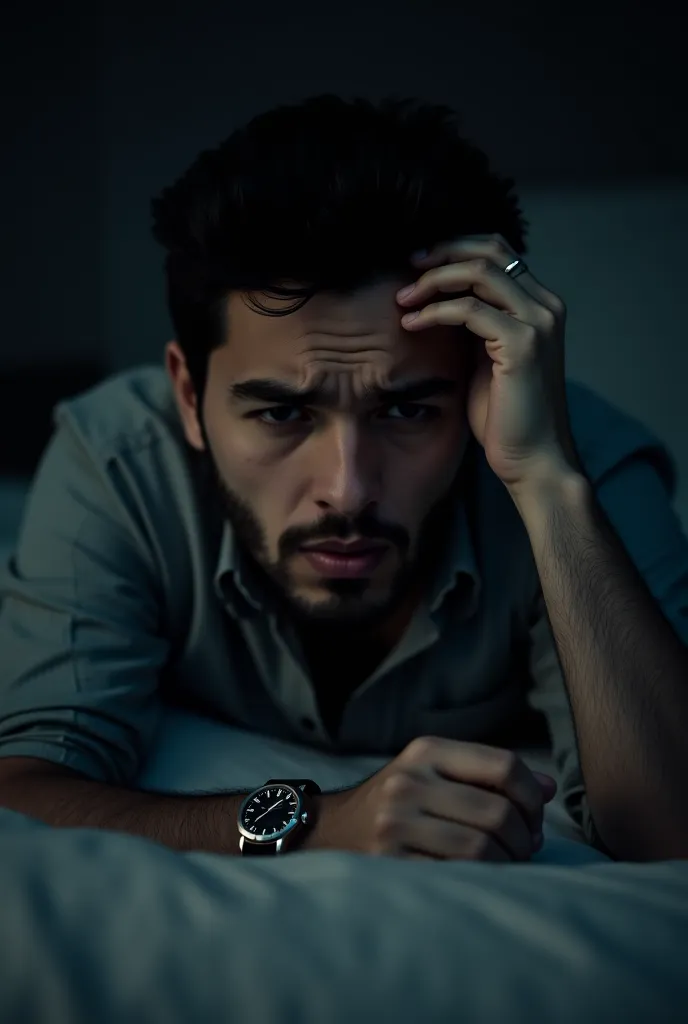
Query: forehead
{"x": 358, "y": 333}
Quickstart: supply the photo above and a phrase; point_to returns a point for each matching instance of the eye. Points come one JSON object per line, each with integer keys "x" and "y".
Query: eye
{"x": 411, "y": 412}
{"x": 279, "y": 415}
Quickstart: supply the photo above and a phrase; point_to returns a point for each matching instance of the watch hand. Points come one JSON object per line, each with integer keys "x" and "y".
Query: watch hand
{"x": 269, "y": 809}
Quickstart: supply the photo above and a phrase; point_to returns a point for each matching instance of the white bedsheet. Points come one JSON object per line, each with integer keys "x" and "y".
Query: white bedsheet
{"x": 99, "y": 927}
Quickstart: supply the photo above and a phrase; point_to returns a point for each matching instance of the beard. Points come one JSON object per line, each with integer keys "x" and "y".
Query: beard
{"x": 350, "y": 601}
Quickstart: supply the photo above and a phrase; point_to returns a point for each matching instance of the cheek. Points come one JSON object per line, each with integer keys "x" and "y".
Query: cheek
{"x": 434, "y": 473}
{"x": 423, "y": 477}
{"x": 244, "y": 448}
{"x": 247, "y": 462}
{"x": 258, "y": 475}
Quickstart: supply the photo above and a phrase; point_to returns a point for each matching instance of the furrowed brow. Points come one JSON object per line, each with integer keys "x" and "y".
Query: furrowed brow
{"x": 278, "y": 392}
{"x": 282, "y": 393}
{"x": 417, "y": 390}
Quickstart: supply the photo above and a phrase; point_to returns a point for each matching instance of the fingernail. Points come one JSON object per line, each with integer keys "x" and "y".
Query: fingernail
{"x": 420, "y": 255}
{"x": 404, "y": 292}
{"x": 545, "y": 780}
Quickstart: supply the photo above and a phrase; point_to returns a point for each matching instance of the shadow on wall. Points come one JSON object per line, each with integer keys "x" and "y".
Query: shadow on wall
{"x": 27, "y": 399}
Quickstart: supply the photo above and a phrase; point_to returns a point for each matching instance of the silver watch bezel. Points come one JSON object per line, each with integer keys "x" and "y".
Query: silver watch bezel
{"x": 276, "y": 837}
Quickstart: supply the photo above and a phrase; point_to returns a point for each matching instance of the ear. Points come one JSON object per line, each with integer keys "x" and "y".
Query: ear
{"x": 184, "y": 394}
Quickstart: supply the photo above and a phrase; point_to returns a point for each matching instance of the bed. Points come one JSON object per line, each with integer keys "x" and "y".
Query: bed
{"x": 97, "y": 926}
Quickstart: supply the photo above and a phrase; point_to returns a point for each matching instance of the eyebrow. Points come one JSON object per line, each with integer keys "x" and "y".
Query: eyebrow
{"x": 281, "y": 393}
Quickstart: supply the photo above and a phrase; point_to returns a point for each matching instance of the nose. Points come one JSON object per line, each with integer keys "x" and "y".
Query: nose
{"x": 344, "y": 477}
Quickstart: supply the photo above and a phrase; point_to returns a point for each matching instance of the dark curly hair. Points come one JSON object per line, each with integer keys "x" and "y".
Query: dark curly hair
{"x": 329, "y": 194}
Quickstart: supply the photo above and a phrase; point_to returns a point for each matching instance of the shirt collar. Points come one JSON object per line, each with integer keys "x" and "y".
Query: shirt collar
{"x": 234, "y": 581}
{"x": 458, "y": 566}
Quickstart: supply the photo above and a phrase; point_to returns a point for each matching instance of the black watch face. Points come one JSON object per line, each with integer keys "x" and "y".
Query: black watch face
{"x": 270, "y": 811}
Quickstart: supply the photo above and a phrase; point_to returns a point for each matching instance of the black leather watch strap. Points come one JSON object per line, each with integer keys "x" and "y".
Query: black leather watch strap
{"x": 250, "y": 849}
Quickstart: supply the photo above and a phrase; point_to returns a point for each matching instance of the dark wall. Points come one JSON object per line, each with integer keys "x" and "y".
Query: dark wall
{"x": 52, "y": 177}
{"x": 102, "y": 103}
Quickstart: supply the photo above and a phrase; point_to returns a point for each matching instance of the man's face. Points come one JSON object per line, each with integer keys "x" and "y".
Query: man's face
{"x": 329, "y": 461}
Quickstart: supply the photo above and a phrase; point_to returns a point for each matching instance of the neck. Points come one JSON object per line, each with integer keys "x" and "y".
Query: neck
{"x": 386, "y": 630}
{"x": 355, "y": 651}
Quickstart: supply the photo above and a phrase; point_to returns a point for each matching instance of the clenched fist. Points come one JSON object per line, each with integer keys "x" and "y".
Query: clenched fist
{"x": 443, "y": 799}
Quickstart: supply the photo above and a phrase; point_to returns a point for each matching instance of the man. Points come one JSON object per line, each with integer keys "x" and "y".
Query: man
{"x": 365, "y": 521}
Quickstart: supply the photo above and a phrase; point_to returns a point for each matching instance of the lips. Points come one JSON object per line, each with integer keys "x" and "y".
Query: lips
{"x": 344, "y": 560}
{"x": 342, "y": 547}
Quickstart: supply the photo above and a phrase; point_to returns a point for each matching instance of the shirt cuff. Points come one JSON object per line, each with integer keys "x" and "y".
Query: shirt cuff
{"x": 56, "y": 754}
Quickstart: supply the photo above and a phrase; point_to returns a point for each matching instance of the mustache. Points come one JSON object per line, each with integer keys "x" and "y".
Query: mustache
{"x": 333, "y": 526}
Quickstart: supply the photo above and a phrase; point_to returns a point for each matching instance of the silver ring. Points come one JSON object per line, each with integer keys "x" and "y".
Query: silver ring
{"x": 516, "y": 268}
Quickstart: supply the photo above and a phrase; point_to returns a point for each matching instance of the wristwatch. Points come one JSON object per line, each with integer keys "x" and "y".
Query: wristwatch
{"x": 276, "y": 816}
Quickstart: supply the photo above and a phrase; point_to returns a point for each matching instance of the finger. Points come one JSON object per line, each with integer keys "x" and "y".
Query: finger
{"x": 548, "y": 784}
{"x": 447, "y": 840}
{"x": 485, "y": 321}
{"x": 493, "y": 247}
{"x": 491, "y": 767}
{"x": 483, "y": 810}
{"x": 481, "y": 276}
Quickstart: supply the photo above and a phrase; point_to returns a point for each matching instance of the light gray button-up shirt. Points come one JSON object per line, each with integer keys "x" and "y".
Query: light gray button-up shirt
{"x": 127, "y": 590}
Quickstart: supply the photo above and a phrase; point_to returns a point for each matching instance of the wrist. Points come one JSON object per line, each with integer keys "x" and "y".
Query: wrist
{"x": 327, "y": 832}
{"x": 231, "y": 803}
{"x": 556, "y": 485}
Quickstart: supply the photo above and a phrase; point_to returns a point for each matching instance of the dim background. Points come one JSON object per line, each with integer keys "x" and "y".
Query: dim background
{"x": 105, "y": 104}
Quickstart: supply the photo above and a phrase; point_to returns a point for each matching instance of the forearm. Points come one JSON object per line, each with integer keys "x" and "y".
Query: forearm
{"x": 204, "y": 822}
{"x": 626, "y": 673}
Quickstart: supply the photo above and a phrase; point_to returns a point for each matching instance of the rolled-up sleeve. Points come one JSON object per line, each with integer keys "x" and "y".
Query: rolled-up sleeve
{"x": 635, "y": 497}
{"x": 80, "y": 645}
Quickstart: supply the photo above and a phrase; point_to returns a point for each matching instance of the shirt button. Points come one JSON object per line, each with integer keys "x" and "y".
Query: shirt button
{"x": 308, "y": 723}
